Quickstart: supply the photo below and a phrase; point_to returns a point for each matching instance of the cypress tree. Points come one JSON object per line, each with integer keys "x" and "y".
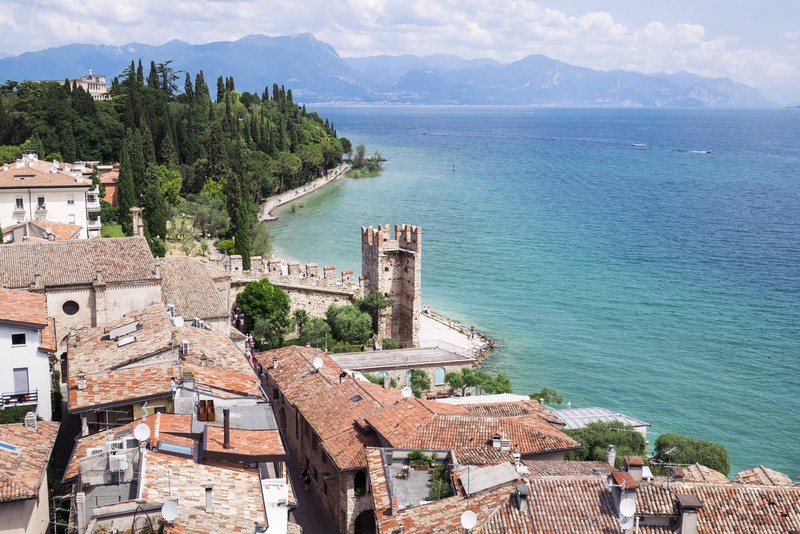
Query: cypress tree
{"x": 220, "y": 90}
{"x": 68, "y": 143}
{"x": 155, "y": 209}
{"x": 148, "y": 148}
{"x": 140, "y": 73}
{"x": 187, "y": 87}
{"x": 127, "y": 193}
{"x": 215, "y": 153}
{"x": 152, "y": 78}
{"x": 4, "y": 130}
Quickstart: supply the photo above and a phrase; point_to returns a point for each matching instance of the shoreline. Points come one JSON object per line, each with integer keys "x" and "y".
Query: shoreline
{"x": 265, "y": 212}
{"x": 481, "y": 346}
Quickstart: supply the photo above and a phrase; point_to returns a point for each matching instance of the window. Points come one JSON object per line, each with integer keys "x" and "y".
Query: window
{"x": 70, "y": 307}
{"x": 439, "y": 378}
{"x": 40, "y": 202}
{"x": 17, "y": 340}
{"x": 360, "y": 483}
{"x": 314, "y": 441}
{"x": 21, "y": 380}
{"x": 70, "y": 199}
{"x": 71, "y": 218}
{"x": 160, "y": 409}
{"x": 19, "y": 205}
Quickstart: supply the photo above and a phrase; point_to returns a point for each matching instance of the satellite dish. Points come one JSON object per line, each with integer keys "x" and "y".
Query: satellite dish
{"x": 469, "y": 519}
{"x": 407, "y": 392}
{"x": 625, "y": 523}
{"x": 169, "y": 511}
{"x": 317, "y": 363}
{"x": 177, "y": 321}
{"x": 627, "y": 507}
{"x": 141, "y": 432}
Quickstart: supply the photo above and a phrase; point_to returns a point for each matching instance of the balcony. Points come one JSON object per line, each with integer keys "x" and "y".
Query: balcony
{"x": 18, "y": 398}
{"x": 93, "y": 201}
{"x": 93, "y": 224}
{"x": 41, "y": 212}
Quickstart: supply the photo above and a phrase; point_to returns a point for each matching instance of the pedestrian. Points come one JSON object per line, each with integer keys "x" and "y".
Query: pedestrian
{"x": 472, "y": 332}
{"x": 306, "y": 482}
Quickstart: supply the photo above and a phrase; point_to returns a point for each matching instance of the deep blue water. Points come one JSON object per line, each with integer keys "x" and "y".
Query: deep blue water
{"x": 658, "y": 281}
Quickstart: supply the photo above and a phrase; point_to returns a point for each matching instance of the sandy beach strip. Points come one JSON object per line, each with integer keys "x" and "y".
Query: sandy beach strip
{"x": 265, "y": 213}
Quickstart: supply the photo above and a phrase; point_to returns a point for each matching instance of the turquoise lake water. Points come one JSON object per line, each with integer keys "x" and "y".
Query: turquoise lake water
{"x": 661, "y": 281}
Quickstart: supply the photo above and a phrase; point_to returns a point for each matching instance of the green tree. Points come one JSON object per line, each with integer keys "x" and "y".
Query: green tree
{"x": 375, "y": 304}
{"x": 265, "y": 302}
{"x": 686, "y": 450}
{"x": 300, "y": 316}
{"x": 315, "y": 332}
{"x": 169, "y": 184}
{"x": 209, "y": 214}
{"x": 547, "y": 396}
{"x": 420, "y": 382}
{"x": 287, "y": 166}
{"x": 461, "y": 380}
{"x": 349, "y": 324}
{"x": 596, "y": 437}
{"x": 155, "y": 211}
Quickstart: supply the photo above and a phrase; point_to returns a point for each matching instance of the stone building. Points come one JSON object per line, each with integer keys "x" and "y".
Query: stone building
{"x": 394, "y": 267}
{"x": 86, "y": 282}
{"x": 328, "y": 418}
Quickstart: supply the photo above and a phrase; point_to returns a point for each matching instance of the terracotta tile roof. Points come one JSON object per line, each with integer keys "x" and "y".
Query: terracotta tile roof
{"x": 48, "y": 341}
{"x": 482, "y": 456}
{"x": 237, "y": 498}
{"x": 701, "y": 473}
{"x": 579, "y": 505}
{"x": 511, "y": 409}
{"x": 227, "y": 383}
{"x": 92, "y": 349}
{"x": 38, "y": 229}
{"x": 763, "y": 476}
{"x": 36, "y": 176}
{"x": 425, "y": 424}
{"x": 142, "y": 369}
{"x": 125, "y": 259}
{"x": 330, "y": 405}
{"x": 21, "y": 471}
{"x": 23, "y": 307}
{"x": 110, "y": 177}
{"x": 186, "y": 283}
{"x": 121, "y": 386}
{"x": 727, "y": 508}
{"x": 245, "y": 442}
{"x": 545, "y": 468}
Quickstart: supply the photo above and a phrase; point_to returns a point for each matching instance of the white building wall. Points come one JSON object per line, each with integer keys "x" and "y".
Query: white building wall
{"x": 56, "y": 202}
{"x": 28, "y": 357}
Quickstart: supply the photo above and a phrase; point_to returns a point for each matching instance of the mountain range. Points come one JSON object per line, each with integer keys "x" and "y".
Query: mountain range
{"x": 317, "y": 74}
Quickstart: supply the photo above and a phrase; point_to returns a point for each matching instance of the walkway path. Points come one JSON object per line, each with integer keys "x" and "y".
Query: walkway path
{"x": 265, "y": 214}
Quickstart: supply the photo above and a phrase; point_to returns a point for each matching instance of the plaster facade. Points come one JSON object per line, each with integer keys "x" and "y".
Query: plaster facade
{"x": 28, "y": 516}
{"x": 25, "y": 369}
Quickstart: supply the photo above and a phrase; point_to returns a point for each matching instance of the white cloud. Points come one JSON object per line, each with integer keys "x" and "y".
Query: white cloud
{"x": 505, "y": 30}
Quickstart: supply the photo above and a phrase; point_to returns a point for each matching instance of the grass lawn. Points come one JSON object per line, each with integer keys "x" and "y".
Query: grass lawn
{"x": 111, "y": 230}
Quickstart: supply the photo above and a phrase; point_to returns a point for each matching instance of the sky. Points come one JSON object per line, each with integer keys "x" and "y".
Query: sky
{"x": 757, "y": 43}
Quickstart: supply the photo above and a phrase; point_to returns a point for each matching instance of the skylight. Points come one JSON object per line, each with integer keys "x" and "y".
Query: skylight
{"x": 8, "y": 447}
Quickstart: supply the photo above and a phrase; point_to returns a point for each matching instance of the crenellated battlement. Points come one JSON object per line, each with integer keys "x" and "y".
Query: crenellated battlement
{"x": 406, "y": 237}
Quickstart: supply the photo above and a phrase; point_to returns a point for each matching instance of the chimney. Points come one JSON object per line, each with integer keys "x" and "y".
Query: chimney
{"x": 209, "y": 499}
{"x": 677, "y": 474}
{"x": 342, "y": 376}
{"x": 611, "y": 455}
{"x": 80, "y": 511}
{"x": 688, "y": 506}
{"x": 98, "y": 277}
{"x": 37, "y": 280}
{"x": 522, "y": 497}
{"x": 633, "y": 465}
{"x": 138, "y": 224}
{"x": 226, "y": 415}
{"x": 157, "y": 264}
{"x": 30, "y": 421}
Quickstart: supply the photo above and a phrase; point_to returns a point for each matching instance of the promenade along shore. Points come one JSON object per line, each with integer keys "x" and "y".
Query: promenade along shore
{"x": 435, "y": 329}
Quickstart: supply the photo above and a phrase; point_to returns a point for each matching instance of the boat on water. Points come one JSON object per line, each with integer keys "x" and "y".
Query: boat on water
{"x": 700, "y": 151}
{"x": 638, "y": 145}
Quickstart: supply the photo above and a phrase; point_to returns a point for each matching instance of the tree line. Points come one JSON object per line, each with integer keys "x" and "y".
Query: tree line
{"x": 179, "y": 150}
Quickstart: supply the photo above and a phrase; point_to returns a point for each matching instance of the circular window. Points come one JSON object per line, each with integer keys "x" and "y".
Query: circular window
{"x": 70, "y": 307}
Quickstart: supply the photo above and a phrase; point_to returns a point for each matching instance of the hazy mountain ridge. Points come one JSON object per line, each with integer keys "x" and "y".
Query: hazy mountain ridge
{"x": 316, "y": 73}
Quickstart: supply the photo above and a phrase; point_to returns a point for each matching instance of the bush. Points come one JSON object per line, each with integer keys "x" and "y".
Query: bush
{"x": 388, "y": 343}
{"x": 596, "y": 437}
{"x": 375, "y": 379}
{"x": 547, "y": 396}
{"x": 686, "y": 450}
{"x": 228, "y": 246}
{"x": 420, "y": 382}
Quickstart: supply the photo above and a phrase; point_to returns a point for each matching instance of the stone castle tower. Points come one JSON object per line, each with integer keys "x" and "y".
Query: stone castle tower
{"x": 394, "y": 267}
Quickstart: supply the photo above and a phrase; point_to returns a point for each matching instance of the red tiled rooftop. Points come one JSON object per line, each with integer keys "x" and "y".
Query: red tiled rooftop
{"x": 18, "y": 306}
{"x": 245, "y": 442}
{"x": 22, "y": 471}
